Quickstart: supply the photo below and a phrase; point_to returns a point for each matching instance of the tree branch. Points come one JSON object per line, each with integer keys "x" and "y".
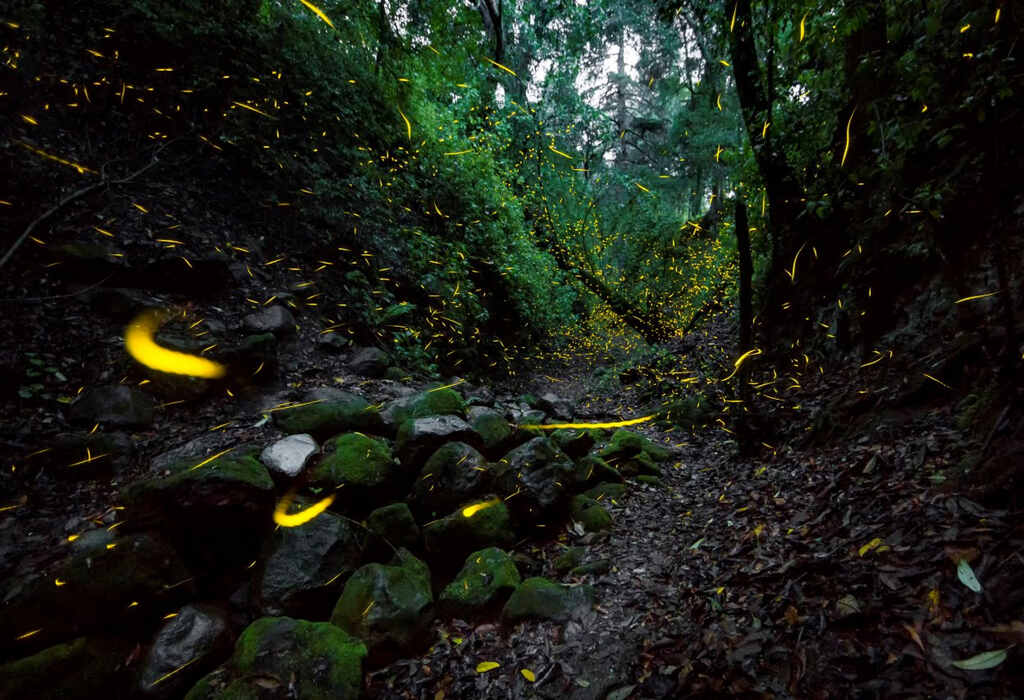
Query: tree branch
{"x": 78, "y": 194}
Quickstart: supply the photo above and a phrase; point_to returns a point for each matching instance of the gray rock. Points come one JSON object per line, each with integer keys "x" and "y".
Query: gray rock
{"x": 453, "y": 475}
{"x": 289, "y": 455}
{"x": 369, "y": 362}
{"x": 308, "y": 566}
{"x": 418, "y": 438}
{"x": 333, "y": 343}
{"x": 540, "y": 598}
{"x": 539, "y": 474}
{"x": 92, "y": 540}
{"x": 556, "y": 406}
{"x": 189, "y": 641}
{"x": 273, "y": 319}
{"x": 113, "y": 405}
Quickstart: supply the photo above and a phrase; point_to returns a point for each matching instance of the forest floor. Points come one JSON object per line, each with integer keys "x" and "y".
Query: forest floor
{"x": 823, "y": 571}
{"x": 820, "y": 572}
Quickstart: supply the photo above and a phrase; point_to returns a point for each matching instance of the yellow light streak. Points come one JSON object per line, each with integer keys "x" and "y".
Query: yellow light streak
{"x": 318, "y": 12}
{"x": 138, "y": 341}
{"x": 937, "y": 381}
{"x": 976, "y": 296}
{"x": 253, "y": 109}
{"x": 749, "y": 353}
{"x": 284, "y": 519}
{"x": 470, "y": 511}
{"x": 613, "y": 424}
{"x": 210, "y": 459}
{"x": 846, "y": 149}
{"x": 408, "y": 126}
{"x": 504, "y": 68}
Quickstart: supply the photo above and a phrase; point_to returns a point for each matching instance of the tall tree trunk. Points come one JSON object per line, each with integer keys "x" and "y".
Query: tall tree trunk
{"x": 781, "y": 183}
{"x": 744, "y": 434}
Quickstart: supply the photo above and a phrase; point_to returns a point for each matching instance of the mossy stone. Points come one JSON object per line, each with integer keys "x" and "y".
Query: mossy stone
{"x": 487, "y": 576}
{"x": 356, "y": 459}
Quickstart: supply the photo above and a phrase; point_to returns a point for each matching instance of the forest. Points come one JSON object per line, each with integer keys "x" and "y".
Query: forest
{"x": 586, "y": 349}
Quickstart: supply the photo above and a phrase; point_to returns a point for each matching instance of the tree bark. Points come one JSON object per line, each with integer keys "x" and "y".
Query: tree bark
{"x": 743, "y": 429}
{"x": 780, "y": 180}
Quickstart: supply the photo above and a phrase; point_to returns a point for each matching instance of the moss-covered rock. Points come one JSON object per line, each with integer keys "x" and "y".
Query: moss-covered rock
{"x": 573, "y": 442}
{"x": 544, "y": 599}
{"x": 435, "y": 402}
{"x": 487, "y": 578}
{"x": 607, "y": 492}
{"x": 214, "y": 514}
{"x": 395, "y": 524}
{"x": 591, "y": 470}
{"x": 354, "y": 459}
{"x": 495, "y": 431}
{"x": 96, "y": 587}
{"x": 539, "y": 474}
{"x": 569, "y": 559}
{"x": 389, "y": 607}
{"x": 78, "y": 670}
{"x": 329, "y": 414}
{"x": 456, "y": 535}
{"x": 274, "y": 653}
{"x": 625, "y": 444}
{"x": 590, "y": 514}
{"x": 455, "y": 474}
{"x": 650, "y": 480}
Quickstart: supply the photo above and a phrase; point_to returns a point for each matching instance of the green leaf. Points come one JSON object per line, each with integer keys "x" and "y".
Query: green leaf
{"x": 982, "y": 661}
{"x": 965, "y": 573}
{"x": 697, "y": 544}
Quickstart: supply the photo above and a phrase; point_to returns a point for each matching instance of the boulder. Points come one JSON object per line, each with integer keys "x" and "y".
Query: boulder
{"x": 496, "y": 433}
{"x": 307, "y": 566}
{"x": 283, "y": 657}
{"x": 214, "y": 513}
{"x": 356, "y": 460}
{"x": 187, "y": 646}
{"x": 556, "y": 406}
{"x": 389, "y": 607}
{"x": 326, "y": 413}
{"x": 540, "y": 598}
{"x": 288, "y": 456}
{"x": 116, "y": 405}
{"x": 369, "y": 362}
{"x": 418, "y": 438}
{"x": 486, "y": 579}
{"x": 538, "y": 474}
{"x": 455, "y": 474}
{"x": 273, "y": 319}
{"x": 395, "y": 524}
{"x": 467, "y": 529}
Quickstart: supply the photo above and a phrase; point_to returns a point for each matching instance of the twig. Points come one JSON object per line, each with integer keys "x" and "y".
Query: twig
{"x": 78, "y": 194}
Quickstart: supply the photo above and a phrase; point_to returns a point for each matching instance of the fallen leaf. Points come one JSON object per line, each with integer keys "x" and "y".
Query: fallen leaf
{"x": 982, "y": 661}
{"x": 485, "y": 666}
{"x": 528, "y": 674}
{"x": 965, "y": 573}
{"x": 914, "y": 635}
